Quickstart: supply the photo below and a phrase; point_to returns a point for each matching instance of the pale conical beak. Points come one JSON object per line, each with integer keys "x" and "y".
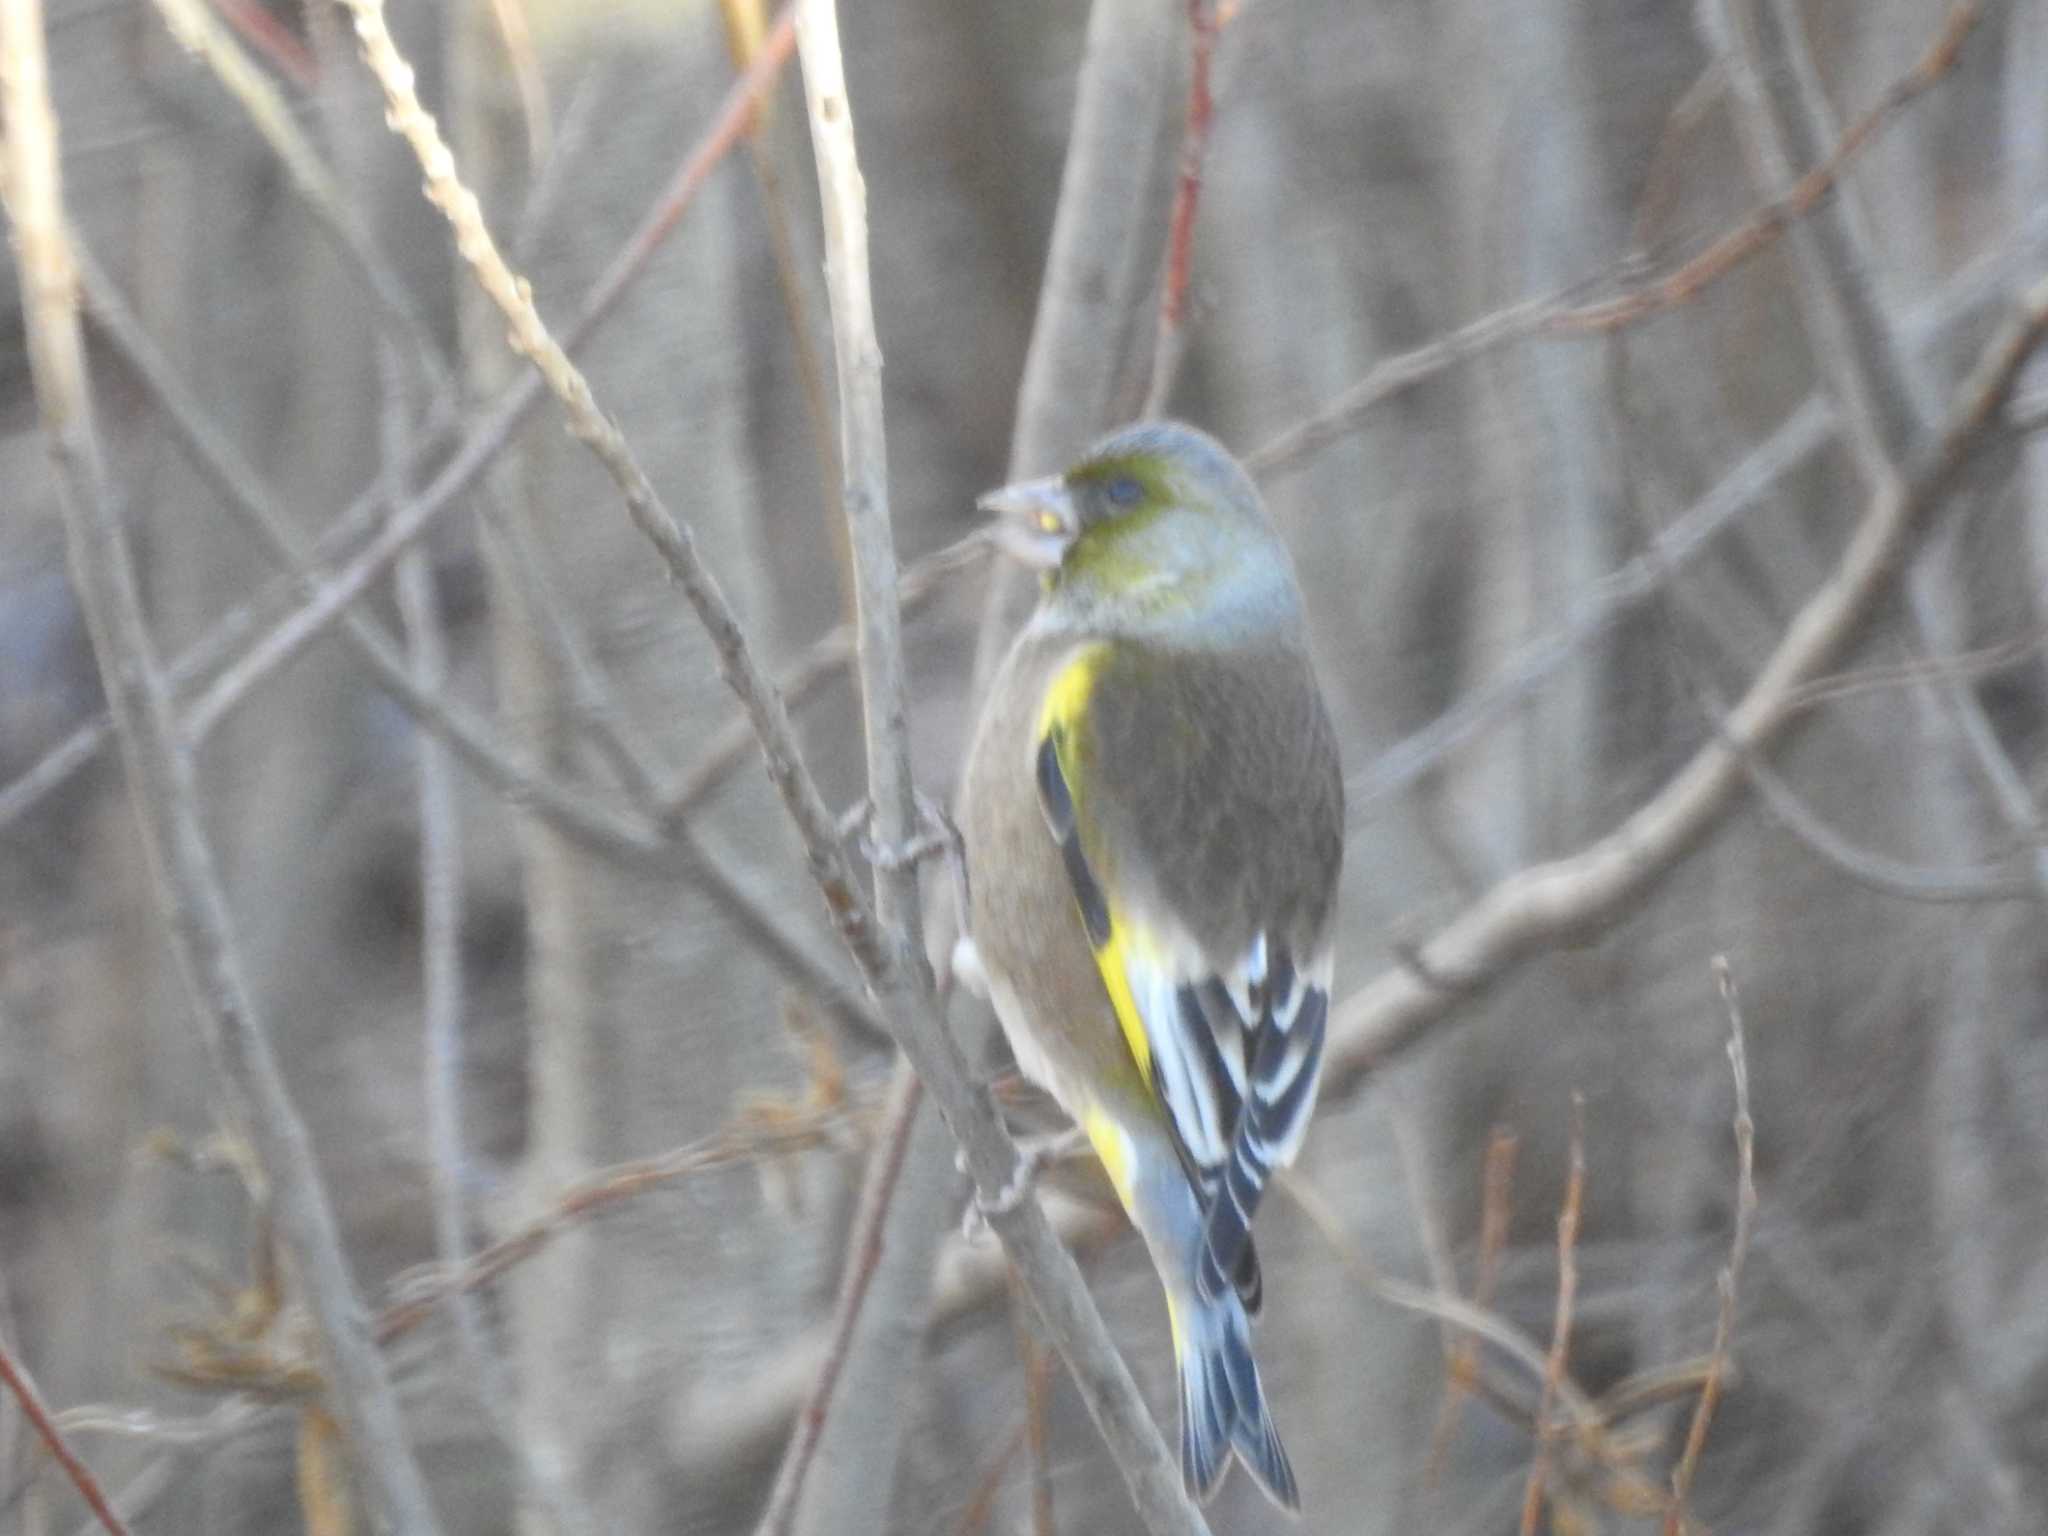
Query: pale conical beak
{"x": 1037, "y": 520}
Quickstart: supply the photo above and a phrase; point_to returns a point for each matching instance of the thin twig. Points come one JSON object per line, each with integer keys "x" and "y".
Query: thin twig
{"x": 165, "y": 795}
{"x": 1738, "y": 1249}
{"x": 865, "y": 1354}
{"x": 1482, "y": 1324}
{"x": 1496, "y": 1183}
{"x": 981, "y": 1503}
{"x": 1971, "y": 665}
{"x": 441, "y": 1012}
{"x": 864, "y": 463}
{"x": 863, "y": 1253}
{"x": 747, "y": 1139}
{"x": 1541, "y": 905}
{"x": 441, "y": 954}
{"x": 1563, "y": 316}
{"x": 1881, "y": 872}
{"x": 1554, "y": 1370}
{"x": 18, "y": 1383}
{"x": 244, "y": 495}
{"x": 1038, "y": 1363}
{"x": 515, "y": 31}
{"x": 766, "y": 150}
{"x": 268, "y": 36}
{"x": 1169, "y": 342}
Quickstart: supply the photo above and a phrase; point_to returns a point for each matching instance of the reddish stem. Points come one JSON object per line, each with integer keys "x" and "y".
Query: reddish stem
{"x": 53, "y": 1439}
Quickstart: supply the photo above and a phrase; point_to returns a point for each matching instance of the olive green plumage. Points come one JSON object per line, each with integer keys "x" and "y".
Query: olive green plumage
{"x": 1153, "y": 812}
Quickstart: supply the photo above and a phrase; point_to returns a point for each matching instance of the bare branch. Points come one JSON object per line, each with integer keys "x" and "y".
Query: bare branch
{"x": 1169, "y": 342}
{"x": 1879, "y": 871}
{"x": 1738, "y": 1249}
{"x": 1480, "y": 1323}
{"x": 863, "y": 1254}
{"x": 764, "y": 1131}
{"x": 865, "y": 1445}
{"x": 1554, "y": 1370}
{"x": 165, "y": 794}
{"x": 771, "y": 156}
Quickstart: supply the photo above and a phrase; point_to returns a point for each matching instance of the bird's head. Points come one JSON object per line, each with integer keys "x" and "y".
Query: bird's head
{"x": 1155, "y": 523}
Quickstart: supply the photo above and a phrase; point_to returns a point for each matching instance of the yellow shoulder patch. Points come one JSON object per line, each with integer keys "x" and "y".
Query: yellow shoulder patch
{"x": 1062, "y": 718}
{"x": 1066, "y": 698}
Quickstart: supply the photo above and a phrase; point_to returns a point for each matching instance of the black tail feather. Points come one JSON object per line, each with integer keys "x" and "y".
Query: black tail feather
{"x": 1223, "y": 1407}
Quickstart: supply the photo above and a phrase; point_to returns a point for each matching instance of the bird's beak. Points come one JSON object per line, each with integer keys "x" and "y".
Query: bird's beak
{"x": 1037, "y": 520}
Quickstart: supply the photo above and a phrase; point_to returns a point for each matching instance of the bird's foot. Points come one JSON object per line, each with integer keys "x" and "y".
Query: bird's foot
{"x": 935, "y": 835}
{"x": 1034, "y": 1155}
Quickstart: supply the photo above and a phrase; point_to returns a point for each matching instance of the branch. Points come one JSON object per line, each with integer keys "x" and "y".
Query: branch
{"x": 1878, "y": 871}
{"x": 17, "y": 1381}
{"x": 1554, "y": 1370}
{"x": 1547, "y": 903}
{"x": 863, "y": 1255}
{"x": 165, "y": 794}
{"x": 908, "y": 1003}
{"x": 441, "y": 983}
{"x": 822, "y": 1120}
{"x": 1169, "y": 342}
{"x": 1738, "y": 1249}
{"x": 863, "y": 1448}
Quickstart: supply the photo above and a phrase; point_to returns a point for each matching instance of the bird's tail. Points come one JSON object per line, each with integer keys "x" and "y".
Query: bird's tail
{"x": 1222, "y": 1407}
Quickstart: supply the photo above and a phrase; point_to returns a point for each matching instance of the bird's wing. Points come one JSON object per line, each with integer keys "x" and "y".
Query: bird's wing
{"x": 1222, "y": 993}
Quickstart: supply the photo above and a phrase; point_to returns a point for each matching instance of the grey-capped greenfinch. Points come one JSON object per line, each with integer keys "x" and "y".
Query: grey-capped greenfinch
{"x": 1153, "y": 814}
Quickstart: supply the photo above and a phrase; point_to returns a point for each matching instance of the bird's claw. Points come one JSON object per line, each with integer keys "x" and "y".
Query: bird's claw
{"x": 935, "y": 835}
{"x": 1034, "y": 1155}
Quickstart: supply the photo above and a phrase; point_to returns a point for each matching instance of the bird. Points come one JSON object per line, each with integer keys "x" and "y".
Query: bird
{"x": 1152, "y": 820}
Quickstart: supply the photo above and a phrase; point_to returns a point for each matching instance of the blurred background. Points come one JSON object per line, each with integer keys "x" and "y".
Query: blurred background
{"x": 1541, "y": 564}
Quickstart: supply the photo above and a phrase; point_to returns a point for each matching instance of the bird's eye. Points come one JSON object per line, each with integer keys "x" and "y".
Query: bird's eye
{"x": 1049, "y": 522}
{"x": 1123, "y": 491}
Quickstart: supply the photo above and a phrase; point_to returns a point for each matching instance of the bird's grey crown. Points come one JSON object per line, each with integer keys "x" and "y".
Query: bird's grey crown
{"x": 1179, "y": 443}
